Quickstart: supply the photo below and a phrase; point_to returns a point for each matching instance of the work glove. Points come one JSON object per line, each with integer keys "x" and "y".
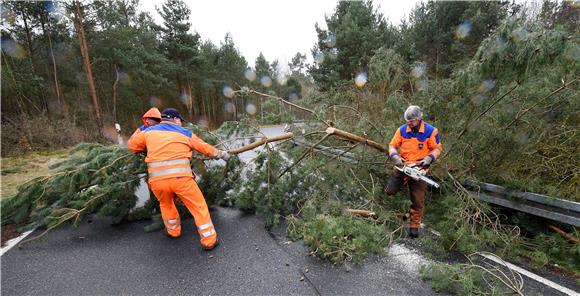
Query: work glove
{"x": 224, "y": 155}
{"x": 397, "y": 160}
{"x": 426, "y": 162}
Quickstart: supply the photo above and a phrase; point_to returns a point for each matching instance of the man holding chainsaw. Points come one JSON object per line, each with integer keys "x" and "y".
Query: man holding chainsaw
{"x": 419, "y": 144}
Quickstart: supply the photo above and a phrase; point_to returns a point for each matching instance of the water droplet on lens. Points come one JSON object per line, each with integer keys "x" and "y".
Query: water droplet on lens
{"x": 463, "y": 30}
{"x": 228, "y": 91}
{"x": 251, "y": 109}
{"x": 319, "y": 57}
{"x": 330, "y": 40}
{"x": 361, "y": 79}
{"x": 266, "y": 81}
{"x": 250, "y": 74}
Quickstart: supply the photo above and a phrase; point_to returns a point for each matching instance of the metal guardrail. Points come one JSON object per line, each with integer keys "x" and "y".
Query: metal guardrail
{"x": 564, "y": 211}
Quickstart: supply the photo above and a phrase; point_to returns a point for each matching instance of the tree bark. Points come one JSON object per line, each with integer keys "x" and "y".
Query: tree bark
{"x": 261, "y": 142}
{"x": 27, "y": 29}
{"x": 88, "y": 67}
{"x": 355, "y": 138}
{"x": 29, "y": 42}
{"x": 60, "y": 99}
{"x": 362, "y": 213}
{"x": 189, "y": 101}
{"x": 115, "y": 83}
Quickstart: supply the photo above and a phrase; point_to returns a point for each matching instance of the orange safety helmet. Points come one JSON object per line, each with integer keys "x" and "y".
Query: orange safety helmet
{"x": 152, "y": 113}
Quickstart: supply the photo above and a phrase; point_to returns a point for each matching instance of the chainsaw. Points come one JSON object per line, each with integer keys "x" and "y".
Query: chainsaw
{"x": 417, "y": 173}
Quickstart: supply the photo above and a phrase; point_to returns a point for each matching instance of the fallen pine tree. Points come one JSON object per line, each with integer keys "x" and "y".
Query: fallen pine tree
{"x": 97, "y": 179}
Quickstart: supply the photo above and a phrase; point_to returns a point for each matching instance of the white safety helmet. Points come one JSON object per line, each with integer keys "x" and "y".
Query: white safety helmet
{"x": 413, "y": 112}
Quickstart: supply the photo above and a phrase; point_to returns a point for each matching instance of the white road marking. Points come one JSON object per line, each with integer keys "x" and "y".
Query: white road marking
{"x": 13, "y": 242}
{"x": 531, "y": 275}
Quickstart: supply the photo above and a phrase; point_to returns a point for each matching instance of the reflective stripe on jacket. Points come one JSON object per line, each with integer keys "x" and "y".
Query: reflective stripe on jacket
{"x": 169, "y": 149}
{"x": 414, "y": 146}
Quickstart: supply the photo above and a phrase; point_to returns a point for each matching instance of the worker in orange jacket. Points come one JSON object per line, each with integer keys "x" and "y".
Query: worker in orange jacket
{"x": 150, "y": 118}
{"x": 419, "y": 143}
{"x": 169, "y": 147}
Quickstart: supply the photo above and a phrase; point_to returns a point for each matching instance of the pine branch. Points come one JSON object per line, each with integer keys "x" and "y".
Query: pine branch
{"x": 559, "y": 89}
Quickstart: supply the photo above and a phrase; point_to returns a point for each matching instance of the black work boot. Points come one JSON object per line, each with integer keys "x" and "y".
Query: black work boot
{"x": 413, "y": 232}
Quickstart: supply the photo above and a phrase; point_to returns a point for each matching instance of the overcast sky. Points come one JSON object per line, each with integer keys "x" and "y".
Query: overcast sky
{"x": 277, "y": 28}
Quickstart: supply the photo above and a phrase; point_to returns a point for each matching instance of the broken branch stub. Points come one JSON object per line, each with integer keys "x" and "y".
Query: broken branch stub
{"x": 261, "y": 142}
{"x": 362, "y": 213}
{"x": 355, "y": 138}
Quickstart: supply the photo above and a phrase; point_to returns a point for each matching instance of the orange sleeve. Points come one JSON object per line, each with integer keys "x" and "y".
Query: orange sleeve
{"x": 397, "y": 140}
{"x": 136, "y": 143}
{"x": 434, "y": 141}
{"x": 202, "y": 147}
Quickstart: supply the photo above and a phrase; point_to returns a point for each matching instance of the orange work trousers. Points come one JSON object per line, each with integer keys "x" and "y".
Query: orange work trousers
{"x": 188, "y": 192}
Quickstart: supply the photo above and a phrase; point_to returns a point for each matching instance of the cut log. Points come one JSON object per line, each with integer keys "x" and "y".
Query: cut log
{"x": 355, "y": 138}
{"x": 261, "y": 142}
{"x": 362, "y": 213}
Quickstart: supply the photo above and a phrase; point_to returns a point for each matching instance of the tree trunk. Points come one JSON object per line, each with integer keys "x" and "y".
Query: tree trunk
{"x": 60, "y": 99}
{"x": 27, "y": 29}
{"x": 28, "y": 42}
{"x": 355, "y": 138}
{"x": 189, "y": 101}
{"x": 87, "y": 66}
{"x": 115, "y": 83}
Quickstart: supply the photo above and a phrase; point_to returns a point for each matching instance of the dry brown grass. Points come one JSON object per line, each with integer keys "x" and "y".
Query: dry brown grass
{"x": 16, "y": 170}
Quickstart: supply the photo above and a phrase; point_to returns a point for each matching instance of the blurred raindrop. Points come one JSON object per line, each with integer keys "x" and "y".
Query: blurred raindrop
{"x": 330, "y": 40}
{"x": 154, "y": 101}
{"x": 361, "y": 79}
{"x": 184, "y": 98}
{"x": 319, "y": 57}
{"x": 478, "y": 99}
{"x": 463, "y": 30}
{"x": 203, "y": 121}
{"x": 523, "y": 138}
{"x": 333, "y": 52}
{"x": 418, "y": 70}
{"x": 573, "y": 52}
{"x": 421, "y": 85}
{"x": 251, "y": 109}
{"x": 55, "y": 10}
{"x": 266, "y": 81}
{"x": 499, "y": 45}
{"x": 575, "y": 4}
{"x": 520, "y": 34}
{"x": 228, "y": 91}
{"x": 230, "y": 107}
{"x": 486, "y": 85}
{"x": 250, "y": 74}
{"x": 12, "y": 48}
{"x": 125, "y": 78}
{"x": 293, "y": 97}
{"x": 8, "y": 16}
{"x": 282, "y": 79}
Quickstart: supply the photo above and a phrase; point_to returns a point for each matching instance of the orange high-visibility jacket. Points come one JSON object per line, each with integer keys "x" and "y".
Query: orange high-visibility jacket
{"x": 414, "y": 146}
{"x": 169, "y": 147}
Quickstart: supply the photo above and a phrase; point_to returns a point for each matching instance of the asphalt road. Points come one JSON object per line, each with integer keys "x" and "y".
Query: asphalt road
{"x": 99, "y": 258}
